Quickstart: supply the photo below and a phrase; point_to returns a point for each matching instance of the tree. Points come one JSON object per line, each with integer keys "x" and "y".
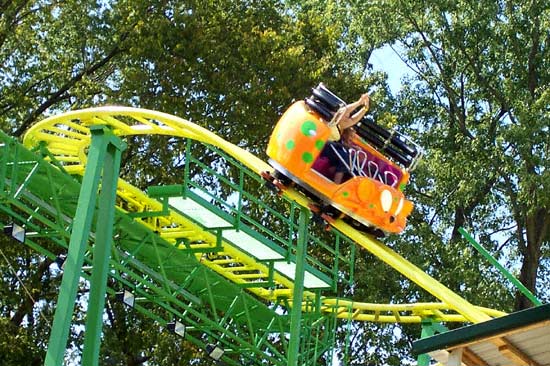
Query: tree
{"x": 479, "y": 105}
{"x": 56, "y": 56}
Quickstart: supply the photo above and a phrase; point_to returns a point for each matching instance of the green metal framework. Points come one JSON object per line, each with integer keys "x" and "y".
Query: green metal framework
{"x": 239, "y": 195}
{"x": 168, "y": 280}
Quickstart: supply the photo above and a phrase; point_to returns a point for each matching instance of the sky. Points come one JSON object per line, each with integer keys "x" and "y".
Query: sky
{"x": 386, "y": 59}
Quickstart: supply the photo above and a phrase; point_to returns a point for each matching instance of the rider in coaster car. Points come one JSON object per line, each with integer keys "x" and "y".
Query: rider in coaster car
{"x": 335, "y": 149}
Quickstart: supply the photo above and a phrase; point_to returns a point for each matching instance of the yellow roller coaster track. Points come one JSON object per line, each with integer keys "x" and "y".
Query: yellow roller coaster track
{"x": 68, "y": 137}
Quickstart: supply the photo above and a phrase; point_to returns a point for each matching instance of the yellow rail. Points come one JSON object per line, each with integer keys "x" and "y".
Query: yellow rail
{"x": 68, "y": 137}
{"x": 398, "y": 313}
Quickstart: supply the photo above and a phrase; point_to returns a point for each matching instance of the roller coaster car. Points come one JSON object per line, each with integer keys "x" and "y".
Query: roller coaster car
{"x": 378, "y": 166}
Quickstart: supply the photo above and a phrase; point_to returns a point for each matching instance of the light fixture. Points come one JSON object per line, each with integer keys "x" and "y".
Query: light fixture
{"x": 16, "y": 232}
{"x": 126, "y": 297}
{"x": 214, "y": 351}
{"x": 176, "y": 327}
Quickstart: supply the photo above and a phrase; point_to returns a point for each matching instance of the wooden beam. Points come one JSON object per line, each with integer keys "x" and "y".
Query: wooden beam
{"x": 506, "y": 348}
{"x": 514, "y": 354}
{"x": 455, "y": 357}
{"x": 469, "y": 358}
{"x": 524, "y": 329}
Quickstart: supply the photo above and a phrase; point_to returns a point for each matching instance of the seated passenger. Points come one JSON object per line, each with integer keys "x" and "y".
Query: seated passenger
{"x": 335, "y": 149}
{"x": 364, "y": 163}
{"x": 357, "y": 157}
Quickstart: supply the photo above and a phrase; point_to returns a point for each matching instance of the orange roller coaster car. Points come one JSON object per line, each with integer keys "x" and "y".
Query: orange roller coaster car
{"x": 378, "y": 164}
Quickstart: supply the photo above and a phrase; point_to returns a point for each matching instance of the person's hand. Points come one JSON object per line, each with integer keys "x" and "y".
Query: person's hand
{"x": 365, "y": 99}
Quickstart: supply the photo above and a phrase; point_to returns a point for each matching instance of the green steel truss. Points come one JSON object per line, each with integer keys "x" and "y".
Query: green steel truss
{"x": 171, "y": 281}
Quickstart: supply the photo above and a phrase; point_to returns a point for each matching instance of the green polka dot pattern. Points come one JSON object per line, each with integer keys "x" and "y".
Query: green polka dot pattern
{"x": 307, "y": 157}
{"x": 309, "y": 128}
{"x": 319, "y": 144}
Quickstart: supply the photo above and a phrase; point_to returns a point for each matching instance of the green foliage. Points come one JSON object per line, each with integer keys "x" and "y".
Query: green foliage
{"x": 478, "y": 105}
{"x": 25, "y": 280}
{"x": 136, "y": 340}
{"x": 17, "y": 345}
{"x": 56, "y": 56}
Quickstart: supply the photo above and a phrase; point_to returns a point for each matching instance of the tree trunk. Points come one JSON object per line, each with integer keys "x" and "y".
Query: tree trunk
{"x": 537, "y": 226}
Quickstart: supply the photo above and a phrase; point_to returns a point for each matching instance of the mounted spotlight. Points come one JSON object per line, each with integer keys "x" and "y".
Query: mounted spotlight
{"x": 176, "y": 327}
{"x": 15, "y": 231}
{"x": 126, "y": 297}
{"x": 214, "y": 351}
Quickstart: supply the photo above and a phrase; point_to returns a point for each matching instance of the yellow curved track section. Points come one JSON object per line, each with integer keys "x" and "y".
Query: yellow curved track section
{"x": 68, "y": 137}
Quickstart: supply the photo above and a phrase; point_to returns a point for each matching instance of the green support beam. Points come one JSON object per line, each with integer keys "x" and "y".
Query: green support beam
{"x": 104, "y": 156}
{"x": 429, "y": 328}
{"x": 296, "y": 312}
{"x": 520, "y": 286}
{"x": 102, "y": 246}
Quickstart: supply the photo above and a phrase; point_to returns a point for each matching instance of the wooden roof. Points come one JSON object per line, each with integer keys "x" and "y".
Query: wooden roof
{"x": 517, "y": 339}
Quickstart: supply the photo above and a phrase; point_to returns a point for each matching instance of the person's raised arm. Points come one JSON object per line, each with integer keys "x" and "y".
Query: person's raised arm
{"x": 349, "y": 120}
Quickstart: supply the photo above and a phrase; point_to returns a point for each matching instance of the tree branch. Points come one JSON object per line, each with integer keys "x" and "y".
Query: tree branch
{"x": 62, "y": 93}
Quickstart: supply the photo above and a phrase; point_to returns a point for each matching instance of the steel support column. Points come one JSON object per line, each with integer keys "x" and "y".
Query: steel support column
{"x": 103, "y": 157}
{"x": 429, "y": 328}
{"x": 427, "y": 331}
{"x": 296, "y": 312}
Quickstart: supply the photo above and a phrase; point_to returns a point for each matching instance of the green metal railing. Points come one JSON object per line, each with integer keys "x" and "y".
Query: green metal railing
{"x": 171, "y": 283}
{"x": 242, "y": 194}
